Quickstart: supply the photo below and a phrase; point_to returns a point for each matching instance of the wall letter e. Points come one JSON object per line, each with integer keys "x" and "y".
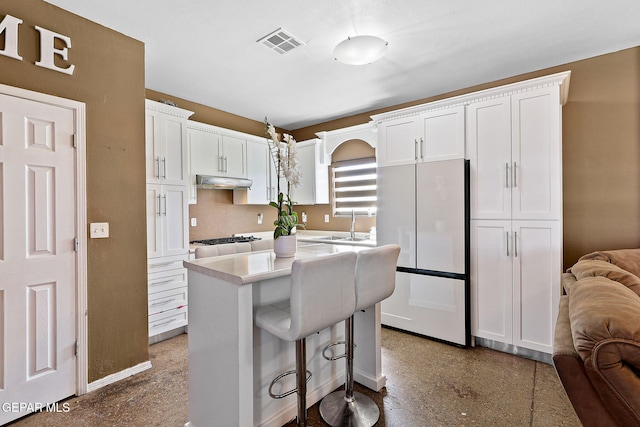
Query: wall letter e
{"x": 48, "y": 50}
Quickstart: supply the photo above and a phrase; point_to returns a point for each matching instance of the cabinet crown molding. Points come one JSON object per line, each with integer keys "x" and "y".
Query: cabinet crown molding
{"x": 205, "y": 127}
{"x": 167, "y": 109}
{"x": 559, "y": 79}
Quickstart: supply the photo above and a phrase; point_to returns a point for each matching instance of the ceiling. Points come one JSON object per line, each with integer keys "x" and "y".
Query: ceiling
{"x": 206, "y": 51}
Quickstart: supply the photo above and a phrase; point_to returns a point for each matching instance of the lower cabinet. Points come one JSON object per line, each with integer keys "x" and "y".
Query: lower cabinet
{"x": 515, "y": 281}
{"x": 167, "y": 288}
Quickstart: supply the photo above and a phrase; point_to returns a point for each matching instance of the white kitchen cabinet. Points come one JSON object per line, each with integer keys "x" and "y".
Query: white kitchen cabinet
{"x": 167, "y": 294}
{"x": 425, "y": 136}
{"x": 167, "y": 172}
{"x": 166, "y": 149}
{"x": 214, "y": 151}
{"x": 167, "y": 213}
{"x": 514, "y": 147}
{"x": 314, "y": 176}
{"x": 234, "y": 154}
{"x": 261, "y": 170}
{"x": 167, "y": 248}
{"x": 516, "y": 281}
{"x": 514, "y": 144}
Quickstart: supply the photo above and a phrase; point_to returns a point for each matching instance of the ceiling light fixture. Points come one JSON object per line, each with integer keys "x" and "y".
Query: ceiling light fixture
{"x": 360, "y": 50}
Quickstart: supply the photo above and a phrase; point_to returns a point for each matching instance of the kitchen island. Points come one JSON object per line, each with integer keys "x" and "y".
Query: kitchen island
{"x": 232, "y": 362}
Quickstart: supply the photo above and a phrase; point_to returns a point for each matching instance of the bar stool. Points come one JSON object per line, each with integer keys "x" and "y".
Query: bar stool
{"x": 322, "y": 294}
{"x": 375, "y": 281}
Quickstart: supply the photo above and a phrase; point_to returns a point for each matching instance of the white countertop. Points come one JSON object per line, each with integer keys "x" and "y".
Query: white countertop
{"x": 249, "y": 267}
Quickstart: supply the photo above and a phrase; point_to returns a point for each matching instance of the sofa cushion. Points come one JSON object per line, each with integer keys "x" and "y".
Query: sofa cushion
{"x": 594, "y": 268}
{"x": 626, "y": 259}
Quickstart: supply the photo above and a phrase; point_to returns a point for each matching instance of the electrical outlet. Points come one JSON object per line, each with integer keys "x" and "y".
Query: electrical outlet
{"x": 194, "y": 222}
{"x": 99, "y": 230}
{"x": 260, "y": 217}
{"x": 326, "y": 218}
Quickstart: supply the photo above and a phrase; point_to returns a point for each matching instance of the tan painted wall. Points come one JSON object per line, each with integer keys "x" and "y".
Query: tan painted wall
{"x": 109, "y": 78}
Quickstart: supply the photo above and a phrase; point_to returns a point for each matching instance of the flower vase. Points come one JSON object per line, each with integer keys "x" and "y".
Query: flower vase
{"x": 285, "y": 246}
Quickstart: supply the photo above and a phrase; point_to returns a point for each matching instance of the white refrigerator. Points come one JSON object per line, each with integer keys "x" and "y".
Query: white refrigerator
{"x": 424, "y": 208}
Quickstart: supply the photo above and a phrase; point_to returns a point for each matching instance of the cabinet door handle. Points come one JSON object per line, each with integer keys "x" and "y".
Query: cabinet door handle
{"x": 515, "y": 182}
{"x": 165, "y": 302}
{"x": 226, "y": 164}
{"x": 165, "y": 204}
{"x": 421, "y": 149}
{"x": 415, "y": 148}
{"x": 155, "y": 325}
{"x": 507, "y": 241}
{"x": 162, "y": 282}
{"x": 164, "y": 168}
{"x": 159, "y": 206}
{"x": 220, "y": 166}
{"x": 515, "y": 244}
{"x": 157, "y": 168}
{"x": 506, "y": 175}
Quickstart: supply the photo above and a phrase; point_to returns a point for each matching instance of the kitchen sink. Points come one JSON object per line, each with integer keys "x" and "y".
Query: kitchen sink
{"x": 350, "y": 239}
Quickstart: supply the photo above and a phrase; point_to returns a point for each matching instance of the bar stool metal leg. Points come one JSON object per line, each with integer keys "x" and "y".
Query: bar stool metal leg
{"x": 349, "y": 407}
{"x": 301, "y": 380}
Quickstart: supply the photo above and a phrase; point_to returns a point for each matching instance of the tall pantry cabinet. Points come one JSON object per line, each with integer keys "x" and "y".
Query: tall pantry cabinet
{"x": 514, "y": 146}
{"x": 167, "y": 213}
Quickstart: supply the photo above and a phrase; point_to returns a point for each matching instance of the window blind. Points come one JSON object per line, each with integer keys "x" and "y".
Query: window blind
{"x": 354, "y": 187}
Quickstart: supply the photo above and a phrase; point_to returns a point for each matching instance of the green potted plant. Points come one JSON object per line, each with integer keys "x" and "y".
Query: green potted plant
{"x": 283, "y": 154}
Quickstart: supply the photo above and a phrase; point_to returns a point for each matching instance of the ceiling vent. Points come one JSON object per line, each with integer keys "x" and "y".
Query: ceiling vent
{"x": 280, "y": 41}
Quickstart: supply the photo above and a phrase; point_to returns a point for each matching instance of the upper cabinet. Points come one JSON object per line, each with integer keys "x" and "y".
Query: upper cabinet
{"x": 261, "y": 170}
{"x": 314, "y": 176}
{"x": 166, "y": 149}
{"x": 514, "y": 144}
{"x": 421, "y": 136}
{"x": 214, "y": 151}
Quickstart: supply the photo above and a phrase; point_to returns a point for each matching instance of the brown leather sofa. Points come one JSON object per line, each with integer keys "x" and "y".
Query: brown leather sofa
{"x": 597, "y": 338}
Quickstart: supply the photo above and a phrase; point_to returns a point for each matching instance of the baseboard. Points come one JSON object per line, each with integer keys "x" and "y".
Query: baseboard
{"x": 516, "y": 351}
{"x": 125, "y": 373}
{"x": 372, "y": 383}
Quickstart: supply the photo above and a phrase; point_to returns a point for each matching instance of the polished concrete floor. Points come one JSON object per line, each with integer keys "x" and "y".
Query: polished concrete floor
{"x": 428, "y": 384}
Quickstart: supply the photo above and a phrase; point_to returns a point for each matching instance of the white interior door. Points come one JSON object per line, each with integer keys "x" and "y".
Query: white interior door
{"x": 37, "y": 255}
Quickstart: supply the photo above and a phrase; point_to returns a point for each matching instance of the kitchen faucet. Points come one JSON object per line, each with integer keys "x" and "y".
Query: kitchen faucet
{"x": 352, "y": 231}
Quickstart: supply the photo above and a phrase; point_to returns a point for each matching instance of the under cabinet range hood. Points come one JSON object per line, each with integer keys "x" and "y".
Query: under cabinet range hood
{"x": 208, "y": 182}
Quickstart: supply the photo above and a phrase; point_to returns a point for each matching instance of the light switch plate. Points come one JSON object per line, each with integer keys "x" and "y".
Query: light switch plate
{"x": 99, "y": 230}
{"x": 326, "y": 218}
{"x": 194, "y": 222}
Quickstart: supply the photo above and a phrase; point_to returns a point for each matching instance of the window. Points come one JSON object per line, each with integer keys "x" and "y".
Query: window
{"x": 354, "y": 187}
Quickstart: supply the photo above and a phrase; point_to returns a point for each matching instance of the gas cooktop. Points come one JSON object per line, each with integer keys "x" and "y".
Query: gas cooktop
{"x": 223, "y": 240}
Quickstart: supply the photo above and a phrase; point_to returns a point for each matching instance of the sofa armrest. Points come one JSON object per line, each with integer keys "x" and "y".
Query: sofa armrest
{"x": 570, "y": 368}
